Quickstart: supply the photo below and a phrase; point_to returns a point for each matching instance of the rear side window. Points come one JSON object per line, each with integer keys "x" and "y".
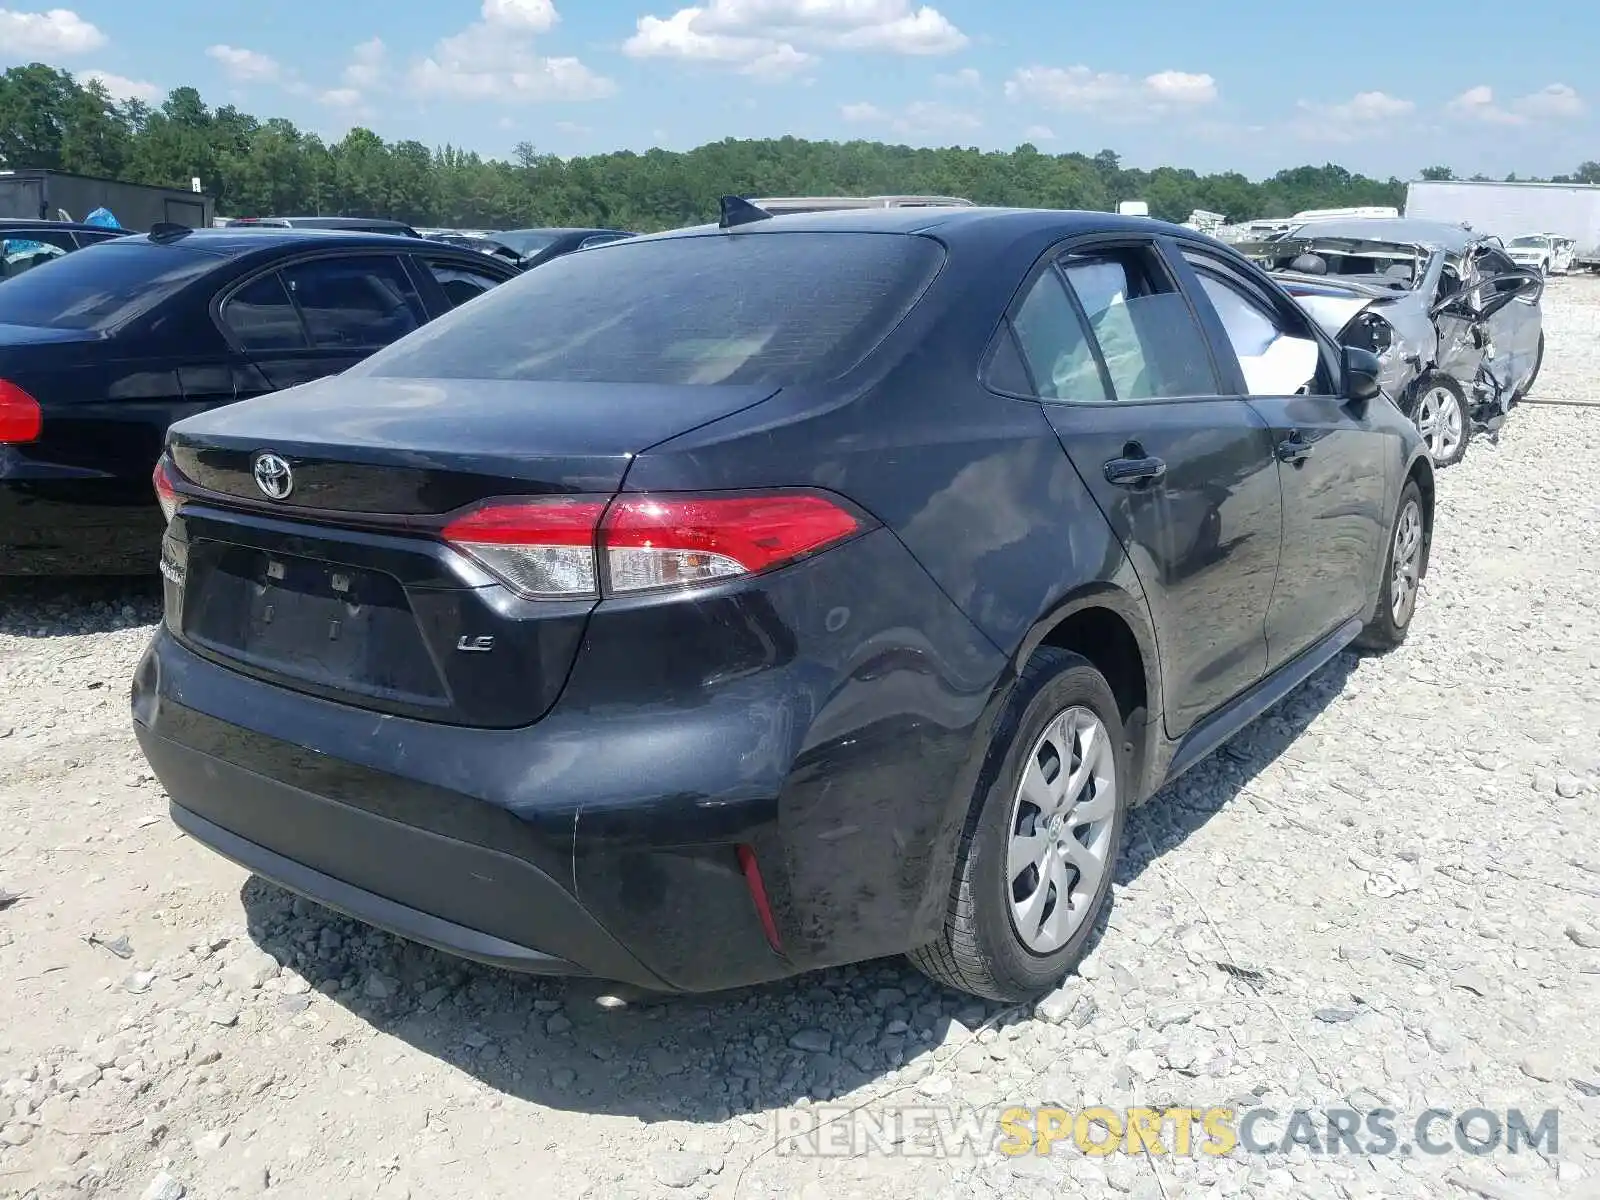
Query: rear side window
{"x": 101, "y": 287}
{"x": 742, "y": 308}
{"x": 354, "y": 303}
{"x": 1055, "y": 345}
{"x": 261, "y": 316}
{"x": 1147, "y": 337}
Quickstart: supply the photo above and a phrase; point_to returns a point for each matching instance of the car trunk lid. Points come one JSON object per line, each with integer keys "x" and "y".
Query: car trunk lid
{"x": 344, "y": 587}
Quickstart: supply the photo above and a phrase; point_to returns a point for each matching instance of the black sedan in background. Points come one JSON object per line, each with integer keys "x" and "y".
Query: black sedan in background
{"x": 530, "y": 247}
{"x": 103, "y": 349}
{"x": 28, "y": 244}
{"x": 709, "y": 607}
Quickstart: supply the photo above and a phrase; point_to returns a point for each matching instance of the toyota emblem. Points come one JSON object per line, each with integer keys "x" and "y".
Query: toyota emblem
{"x": 273, "y": 476}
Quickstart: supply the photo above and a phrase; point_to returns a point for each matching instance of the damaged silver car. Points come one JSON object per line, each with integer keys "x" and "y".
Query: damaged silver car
{"x": 1456, "y": 324}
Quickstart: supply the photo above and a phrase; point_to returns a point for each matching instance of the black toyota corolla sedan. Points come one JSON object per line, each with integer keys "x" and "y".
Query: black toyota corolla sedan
{"x": 713, "y": 606}
{"x": 102, "y": 349}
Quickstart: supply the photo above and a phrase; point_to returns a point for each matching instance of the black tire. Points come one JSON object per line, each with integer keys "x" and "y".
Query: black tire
{"x": 1538, "y": 365}
{"x": 1386, "y": 630}
{"x": 1419, "y": 390}
{"x": 979, "y": 950}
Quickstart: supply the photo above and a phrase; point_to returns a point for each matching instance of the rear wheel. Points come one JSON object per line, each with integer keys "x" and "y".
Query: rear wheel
{"x": 1402, "y": 576}
{"x": 1440, "y": 414}
{"x": 1041, "y": 840}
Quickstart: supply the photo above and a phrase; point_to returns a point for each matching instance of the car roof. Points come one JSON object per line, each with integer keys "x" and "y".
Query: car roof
{"x": 322, "y": 222}
{"x": 230, "y": 243}
{"x": 1403, "y": 231}
{"x": 952, "y": 222}
{"x": 558, "y": 229}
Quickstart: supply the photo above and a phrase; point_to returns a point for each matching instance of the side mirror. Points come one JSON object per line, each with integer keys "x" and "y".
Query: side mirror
{"x": 1361, "y": 369}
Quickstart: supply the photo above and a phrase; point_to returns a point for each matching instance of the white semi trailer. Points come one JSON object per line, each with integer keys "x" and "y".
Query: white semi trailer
{"x": 1508, "y": 210}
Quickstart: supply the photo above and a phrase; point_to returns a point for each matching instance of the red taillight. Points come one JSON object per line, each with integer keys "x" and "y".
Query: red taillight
{"x": 20, "y": 418}
{"x": 661, "y": 541}
{"x": 555, "y": 548}
{"x": 166, "y": 493}
{"x": 543, "y": 548}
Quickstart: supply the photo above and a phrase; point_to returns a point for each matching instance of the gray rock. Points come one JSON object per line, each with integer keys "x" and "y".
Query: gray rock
{"x": 250, "y": 970}
{"x": 682, "y": 1169}
{"x": 1547, "y": 1066}
{"x": 164, "y": 1187}
{"x": 78, "y": 1076}
{"x": 16, "y": 1135}
{"x": 380, "y": 986}
{"x": 1441, "y": 1036}
{"x": 1584, "y": 935}
{"x": 210, "y": 1142}
{"x": 1057, "y": 1006}
{"x": 558, "y": 1024}
{"x": 812, "y": 1041}
{"x": 223, "y": 1013}
{"x": 1335, "y": 1016}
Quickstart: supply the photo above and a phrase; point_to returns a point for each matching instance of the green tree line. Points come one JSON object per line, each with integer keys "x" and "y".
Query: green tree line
{"x": 260, "y": 167}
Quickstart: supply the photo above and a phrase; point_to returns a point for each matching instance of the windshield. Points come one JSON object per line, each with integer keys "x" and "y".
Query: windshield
{"x": 773, "y": 309}
{"x": 1389, "y": 264}
{"x": 1537, "y": 243}
{"x": 526, "y": 244}
{"x": 101, "y": 286}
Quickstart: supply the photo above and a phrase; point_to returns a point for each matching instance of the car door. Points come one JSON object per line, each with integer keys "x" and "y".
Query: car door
{"x": 1514, "y": 322}
{"x": 1184, "y": 473}
{"x": 318, "y": 316}
{"x": 1329, "y": 450}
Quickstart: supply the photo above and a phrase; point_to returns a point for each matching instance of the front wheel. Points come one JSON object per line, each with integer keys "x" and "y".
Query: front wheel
{"x": 1041, "y": 840}
{"x": 1440, "y": 414}
{"x": 1402, "y": 576}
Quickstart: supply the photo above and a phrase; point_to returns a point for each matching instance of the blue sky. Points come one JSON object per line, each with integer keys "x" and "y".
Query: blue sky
{"x": 1237, "y": 85}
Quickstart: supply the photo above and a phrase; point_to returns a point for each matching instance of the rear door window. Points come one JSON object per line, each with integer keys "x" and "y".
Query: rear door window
{"x": 737, "y": 308}
{"x": 459, "y": 282}
{"x": 1055, "y": 345}
{"x": 101, "y": 287}
{"x": 23, "y": 252}
{"x": 261, "y": 316}
{"x": 1148, "y": 339}
{"x": 360, "y": 302}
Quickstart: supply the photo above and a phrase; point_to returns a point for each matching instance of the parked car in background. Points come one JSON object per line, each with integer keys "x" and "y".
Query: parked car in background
{"x": 102, "y": 349}
{"x": 28, "y": 244}
{"x": 1454, "y": 320}
{"x": 530, "y": 247}
{"x": 1544, "y": 252}
{"x": 343, "y": 224}
{"x": 717, "y": 605}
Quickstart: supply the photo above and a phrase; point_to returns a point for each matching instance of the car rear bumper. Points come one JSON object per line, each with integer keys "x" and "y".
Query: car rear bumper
{"x": 838, "y": 746}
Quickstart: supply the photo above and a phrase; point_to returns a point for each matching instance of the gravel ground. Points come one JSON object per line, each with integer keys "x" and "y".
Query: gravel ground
{"x": 1386, "y": 893}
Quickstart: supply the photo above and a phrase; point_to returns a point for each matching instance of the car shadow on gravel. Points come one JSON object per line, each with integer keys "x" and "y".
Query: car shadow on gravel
{"x": 702, "y": 1058}
{"x": 46, "y": 608}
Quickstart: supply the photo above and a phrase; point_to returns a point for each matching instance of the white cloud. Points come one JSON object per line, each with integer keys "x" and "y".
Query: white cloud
{"x": 60, "y": 31}
{"x": 1182, "y": 88}
{"x": 341, "y": 97}
{"x": 121, "y": 88}
{"x": 245, "y": 66}
{"x": 1080, "y": 89}
{"x": 922, "y": 118}
{"x": 967, "y": 78}
{"x": 1558, "y": 102}
{"x": 777, "y": 38}
{"x": 494, "y": 58}
{"x": 1039, "y": 133}
{"x": 1364, "y": 115}
{"x": 367, "y": 63}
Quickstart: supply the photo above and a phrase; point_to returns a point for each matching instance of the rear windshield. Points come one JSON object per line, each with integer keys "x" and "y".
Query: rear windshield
{"x": 100, "y": 286}
{"x": 756, "y": 308}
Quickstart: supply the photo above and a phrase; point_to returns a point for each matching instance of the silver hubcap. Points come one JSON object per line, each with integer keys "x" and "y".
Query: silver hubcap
{"x": 1407, "y": 563}
{"x": 1061, "y": 822}
{"x": 1439, "y": 420}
